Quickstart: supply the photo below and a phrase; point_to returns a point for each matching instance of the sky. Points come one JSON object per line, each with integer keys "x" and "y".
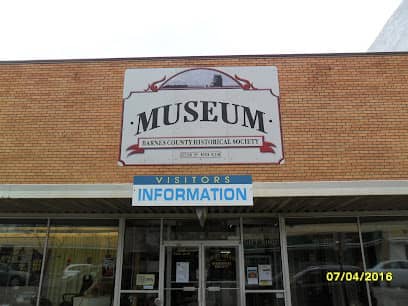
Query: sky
{"x": 60, "y": 29}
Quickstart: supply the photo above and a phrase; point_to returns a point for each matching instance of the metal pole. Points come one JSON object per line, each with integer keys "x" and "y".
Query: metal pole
{"x": 285, "y": 264}
{"x": 43, "y": 263}
{"x": 363, "y": 257}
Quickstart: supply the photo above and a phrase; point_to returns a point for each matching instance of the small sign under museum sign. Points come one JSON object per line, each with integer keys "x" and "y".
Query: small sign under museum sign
{"x": 217, "y": 190}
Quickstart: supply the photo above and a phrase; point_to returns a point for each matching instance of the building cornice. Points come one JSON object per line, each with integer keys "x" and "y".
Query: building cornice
{"x": 260, "y": 189}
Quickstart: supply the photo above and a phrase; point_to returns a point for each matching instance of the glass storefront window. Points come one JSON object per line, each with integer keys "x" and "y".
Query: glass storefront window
{"x": 79, "y": 266}
{"x": 80, "y": 263}
{"x": 21, "y": 254}
{"x": 263, "y": 262}
{"x": 385, "y": 242}
{"x": 318, "y": 246}
{"x": 141, "y": 254}
{"x": 214, "y": 229}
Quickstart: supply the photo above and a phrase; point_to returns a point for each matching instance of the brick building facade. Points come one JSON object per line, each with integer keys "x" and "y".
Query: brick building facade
{"x": 344, "y": 117}
{"x": 342, "y": 189}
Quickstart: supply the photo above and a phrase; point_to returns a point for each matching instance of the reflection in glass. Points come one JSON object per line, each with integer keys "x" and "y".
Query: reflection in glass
{"x": 315, "y": 248}
{"x": 214, "y": 229}
{"x": 201, "y": 78}
{"x": 21, "y": 253}
{"x": 385, "y": 243}
{"x": 265, "y": 299}
{"x": 262, "y": 254}
{"x": 80, "y": 265}
{"x": 141, "y": 255}
{"x": 139, "y": 299}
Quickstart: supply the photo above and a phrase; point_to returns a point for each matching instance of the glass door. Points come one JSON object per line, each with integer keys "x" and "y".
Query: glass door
{"x": 181, "y": 279}
{"x": 201, "y": 274}
{"x": 221, "y": 284}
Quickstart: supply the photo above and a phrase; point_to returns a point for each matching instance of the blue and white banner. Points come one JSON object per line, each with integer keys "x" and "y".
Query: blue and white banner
{"x": 217, "y": 190}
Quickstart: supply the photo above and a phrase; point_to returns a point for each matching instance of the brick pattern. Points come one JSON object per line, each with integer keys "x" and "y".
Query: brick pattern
{"x": 344, "y": 117}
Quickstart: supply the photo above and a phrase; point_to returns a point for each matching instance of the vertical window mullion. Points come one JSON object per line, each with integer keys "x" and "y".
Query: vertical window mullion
{"x": 242, "y": 263}
{"x": 119, "y": 261}
{"x": 161, "y": 264}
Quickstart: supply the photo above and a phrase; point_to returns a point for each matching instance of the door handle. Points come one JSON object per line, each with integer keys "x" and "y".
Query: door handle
{"x": 214, "y": 289}
{"x": 189, "y": 288}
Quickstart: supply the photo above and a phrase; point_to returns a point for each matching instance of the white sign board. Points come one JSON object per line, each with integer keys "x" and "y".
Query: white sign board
{"x": 201, "y": 116}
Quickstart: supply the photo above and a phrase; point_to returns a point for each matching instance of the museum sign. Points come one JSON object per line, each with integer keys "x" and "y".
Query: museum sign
{"x": 201, "y": 116}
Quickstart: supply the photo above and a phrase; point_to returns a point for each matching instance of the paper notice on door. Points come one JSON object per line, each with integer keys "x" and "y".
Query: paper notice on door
{"x": 252, "y": 275}
{"x": 182, "y": 272}
{"x": 265, "y": 275}
{"x": 145, "y": 280}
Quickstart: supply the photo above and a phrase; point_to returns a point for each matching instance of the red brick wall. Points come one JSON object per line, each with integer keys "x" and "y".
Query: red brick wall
{"x": 343, "y": 117}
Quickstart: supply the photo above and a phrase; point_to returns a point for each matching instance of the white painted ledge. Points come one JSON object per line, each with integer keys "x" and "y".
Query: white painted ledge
{"x": 261, "y": 189}
{"x": 331, "y": 188}
{"x": 47, "y": 191}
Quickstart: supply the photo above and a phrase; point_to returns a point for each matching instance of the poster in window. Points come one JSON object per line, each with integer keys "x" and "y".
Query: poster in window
{"x": 182, "y": 272}
{"x": 265, "y": 275}
{"x": 108, "y": 266}
{"x": 146, "y": 281}
{"x": 252, "y": 275}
